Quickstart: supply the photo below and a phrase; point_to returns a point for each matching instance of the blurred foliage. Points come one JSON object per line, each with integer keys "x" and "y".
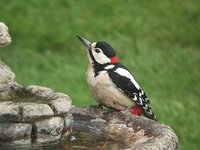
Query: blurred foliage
{"x": 157, "y": 40}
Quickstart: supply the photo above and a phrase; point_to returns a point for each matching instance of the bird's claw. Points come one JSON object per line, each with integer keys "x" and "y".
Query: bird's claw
{"x": 99, "y": 106}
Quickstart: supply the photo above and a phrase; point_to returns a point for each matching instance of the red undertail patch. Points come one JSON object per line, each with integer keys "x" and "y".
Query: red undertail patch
{"x": 135, "y": 110}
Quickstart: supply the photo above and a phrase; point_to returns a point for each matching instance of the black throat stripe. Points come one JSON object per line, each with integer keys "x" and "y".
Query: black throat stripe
{"x": 99, "y": 67}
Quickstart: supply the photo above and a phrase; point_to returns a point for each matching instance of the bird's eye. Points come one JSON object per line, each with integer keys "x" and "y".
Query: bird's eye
{"x": 97, "y": 50}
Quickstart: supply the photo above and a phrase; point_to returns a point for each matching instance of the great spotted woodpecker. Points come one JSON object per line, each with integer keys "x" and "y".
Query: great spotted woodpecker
{"x": 111, "y": 83}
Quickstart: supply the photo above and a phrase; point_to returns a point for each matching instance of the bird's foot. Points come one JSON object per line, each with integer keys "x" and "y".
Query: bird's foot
{"x": 136, "y": 110}
{"x": 110, "y": 111}
{"x": 99, "y": 106}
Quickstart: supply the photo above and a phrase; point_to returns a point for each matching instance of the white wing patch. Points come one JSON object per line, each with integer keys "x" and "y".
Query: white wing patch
{"x": 109, "y": 67}
{"x": 127, "y": 74}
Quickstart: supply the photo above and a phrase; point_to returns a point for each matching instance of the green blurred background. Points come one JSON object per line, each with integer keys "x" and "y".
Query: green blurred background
{"x": 159, "y": 41}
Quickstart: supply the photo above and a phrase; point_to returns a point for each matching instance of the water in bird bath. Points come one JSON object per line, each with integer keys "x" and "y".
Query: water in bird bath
{"x": 85, "y": 140}
{"x": 77, "y": 140}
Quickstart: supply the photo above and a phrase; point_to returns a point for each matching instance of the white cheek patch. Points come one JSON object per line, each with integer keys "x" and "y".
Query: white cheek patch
{"x": 127, "y": 74}
{"x": 100, "y": 58}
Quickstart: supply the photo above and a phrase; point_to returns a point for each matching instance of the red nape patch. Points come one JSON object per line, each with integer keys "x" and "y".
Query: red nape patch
{"x": 114, "y": 60}
{"x": 135, "y": 110}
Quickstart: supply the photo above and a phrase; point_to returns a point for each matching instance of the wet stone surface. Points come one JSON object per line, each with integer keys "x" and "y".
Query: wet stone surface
{"x": 28, "y": 119}
{"x": 35, "y": 122}
{"x": 68, "y": 123}
{"x": 48, "y": 130}
{"x": 29, "y": 122}
{"x": 132, "y": 132}
{"x": 15, "y": 133}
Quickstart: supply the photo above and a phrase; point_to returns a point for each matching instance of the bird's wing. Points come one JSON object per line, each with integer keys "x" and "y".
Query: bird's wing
{"x": 126, "y": 83}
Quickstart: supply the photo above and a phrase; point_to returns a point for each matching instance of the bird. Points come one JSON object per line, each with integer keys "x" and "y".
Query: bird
{"x": 111, "y": 83}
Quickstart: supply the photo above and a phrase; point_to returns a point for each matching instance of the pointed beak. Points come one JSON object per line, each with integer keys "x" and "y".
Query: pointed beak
{"x": 85, "y": 42}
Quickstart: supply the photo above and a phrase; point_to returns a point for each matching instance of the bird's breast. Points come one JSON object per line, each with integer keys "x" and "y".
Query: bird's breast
{"x": 102, "y": 79}
{"x": 105, "y": 91}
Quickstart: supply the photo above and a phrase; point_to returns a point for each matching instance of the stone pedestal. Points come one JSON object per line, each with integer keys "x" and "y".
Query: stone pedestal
{"x": 33, "y": 114}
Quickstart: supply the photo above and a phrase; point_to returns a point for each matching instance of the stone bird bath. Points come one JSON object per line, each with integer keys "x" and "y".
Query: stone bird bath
{"x": 40, "y": 118}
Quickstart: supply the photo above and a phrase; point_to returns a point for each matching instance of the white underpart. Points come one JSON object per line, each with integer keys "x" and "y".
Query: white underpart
{"x": 127, "y": 74}
{"x": 106, "y": 92}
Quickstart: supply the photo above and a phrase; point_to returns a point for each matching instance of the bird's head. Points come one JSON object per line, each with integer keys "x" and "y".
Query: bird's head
{"x": 99, "y": 52}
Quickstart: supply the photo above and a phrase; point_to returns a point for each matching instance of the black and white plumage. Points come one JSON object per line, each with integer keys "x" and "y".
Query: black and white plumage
{"x": 111, "y": 83}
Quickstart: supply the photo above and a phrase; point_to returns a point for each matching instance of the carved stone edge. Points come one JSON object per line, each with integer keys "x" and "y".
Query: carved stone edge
{"x": 125, "y": 126}
{"x": 13, "y": 114}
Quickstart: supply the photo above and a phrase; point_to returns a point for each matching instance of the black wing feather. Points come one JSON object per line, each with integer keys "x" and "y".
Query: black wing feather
{"x": 137, "y": 95}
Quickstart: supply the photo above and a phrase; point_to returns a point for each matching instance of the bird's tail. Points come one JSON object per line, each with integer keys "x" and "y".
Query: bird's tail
{"x": 145, "y": 105}
{"x": 150, "y": 114}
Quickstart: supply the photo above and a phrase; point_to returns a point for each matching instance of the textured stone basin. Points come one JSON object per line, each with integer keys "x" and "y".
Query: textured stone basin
{"x": 118, "y": 130}
{"x": 96, "y": 128}
{"x": 30, "y": 115}
{"x": 34, "y": 115}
